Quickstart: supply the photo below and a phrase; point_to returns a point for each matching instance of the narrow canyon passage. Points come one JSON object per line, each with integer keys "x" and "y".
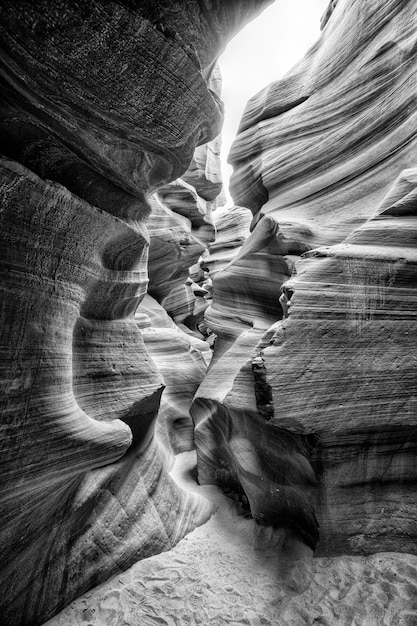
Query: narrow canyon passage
{"x": 208, "y": 409}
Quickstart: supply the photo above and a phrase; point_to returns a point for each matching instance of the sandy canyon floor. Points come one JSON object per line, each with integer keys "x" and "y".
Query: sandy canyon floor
{"x": 233, "y": 571}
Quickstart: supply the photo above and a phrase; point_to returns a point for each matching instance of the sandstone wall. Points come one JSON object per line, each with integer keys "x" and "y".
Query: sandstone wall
{"x": 314, "y": 421}
{"x": 101, "y": 103}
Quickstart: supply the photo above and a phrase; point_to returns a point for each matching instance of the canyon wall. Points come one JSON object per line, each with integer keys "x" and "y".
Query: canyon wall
{"x": 309, "y": 408}
{"x": 119, "y": 271}
{"x": 101, "y": 104}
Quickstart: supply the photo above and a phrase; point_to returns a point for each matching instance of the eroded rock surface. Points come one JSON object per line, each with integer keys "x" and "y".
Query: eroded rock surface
{"x": 100, "y": 105}
{"x": 307, "y": 411}
{"x": 182, "y": 360}
{"x": 315, "y": 421}
{"x": 319, "y": 149}
{"x": 246, "y": 292}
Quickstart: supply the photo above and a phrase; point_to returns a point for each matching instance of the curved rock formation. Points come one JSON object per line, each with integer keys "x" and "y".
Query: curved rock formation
{"x": 319, "y": 149}
{"x": 316, "y": 421}
{"x": 232, "y": 230}
{"x": 204, "y": 171}
{"x": 246, "y": 292}
{"x": 101, "y": 103}
{"x": 182, "y": 360}
{"x": 174, "y": 248}
{"x": 308, "y": 408}
{"x": 181, "y": 226}
{"x": 343, "y": 367}
{"x": 241, "y": 448}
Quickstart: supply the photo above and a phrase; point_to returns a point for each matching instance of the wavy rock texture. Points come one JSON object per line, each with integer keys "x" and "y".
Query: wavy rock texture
{"x": 319, "y": 149}
{"x": 173, "y": 250}
{"x": 67, "y": 525}
{"x": 232, "y": 230}
{"x": 242, "y": 449}
{"x": 316, "y": 426}
{"x": 181, "y": 226}
{"x": 246, "y": 292}
{"x": 342, "y": 368}
{"x": 232, "y": 570}
{"x": 182, "y": 360}
{"x": 100, "y": 104}
{"x": 204, "y": 171}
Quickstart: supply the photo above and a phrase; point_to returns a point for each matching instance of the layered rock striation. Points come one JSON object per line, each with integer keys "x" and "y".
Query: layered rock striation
{"x": 314, "y": 421}
{"x": 319, "y": 149}
{"x": 109, "y": 123}
{"x": 100, "y": 105}
{"x": 182, "y": 360}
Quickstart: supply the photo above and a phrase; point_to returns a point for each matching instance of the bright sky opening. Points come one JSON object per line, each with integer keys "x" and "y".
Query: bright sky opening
{"x": 262, "y": 53}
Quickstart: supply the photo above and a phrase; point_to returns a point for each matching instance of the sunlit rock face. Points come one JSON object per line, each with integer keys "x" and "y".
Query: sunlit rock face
{"x": 100, "y": 105}
{"x": 246, "y": 292}
{"x": 232, "y": 230}
{"x": 182, "y": 360}
{"x": 181, "y": 226}
{"x": 245, "y": 450}
{"x": 319, "y": 149}
{"x": 174, "y": 248}
{"x": 315, "y": 421}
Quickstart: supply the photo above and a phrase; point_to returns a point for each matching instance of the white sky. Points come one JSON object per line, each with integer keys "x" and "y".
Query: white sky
{"x": 261, "y": 53}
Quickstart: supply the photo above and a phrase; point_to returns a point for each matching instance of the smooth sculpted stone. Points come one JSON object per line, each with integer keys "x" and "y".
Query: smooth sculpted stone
{"x": 114, "y": 115}
{"x": 246, "y": 291}
{"x": 182, "y": 198}
{"x": 319, "y": 149}
{"x": 174, "y": 248}
{"x": 343, "y": 365}
{"x": 100, "y": 104}
{"x": 316, "y": 421}
{"x": 199, "y": 191}
{"x": 204, "y": 171}
{"x": 72, "y": 513}
{"x": 182, "y": 360}
{"x": 318, "y": 428}
{"x": 232, "y": 230}
{"x": 241, "y": 448}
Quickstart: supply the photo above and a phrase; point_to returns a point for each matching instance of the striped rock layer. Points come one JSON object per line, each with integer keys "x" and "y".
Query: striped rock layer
{"x": 314, "y": 421}
{"x": 101, "y": 103}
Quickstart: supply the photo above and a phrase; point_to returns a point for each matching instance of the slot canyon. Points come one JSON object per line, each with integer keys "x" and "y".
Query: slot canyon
{"x": 208, "y": 412}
